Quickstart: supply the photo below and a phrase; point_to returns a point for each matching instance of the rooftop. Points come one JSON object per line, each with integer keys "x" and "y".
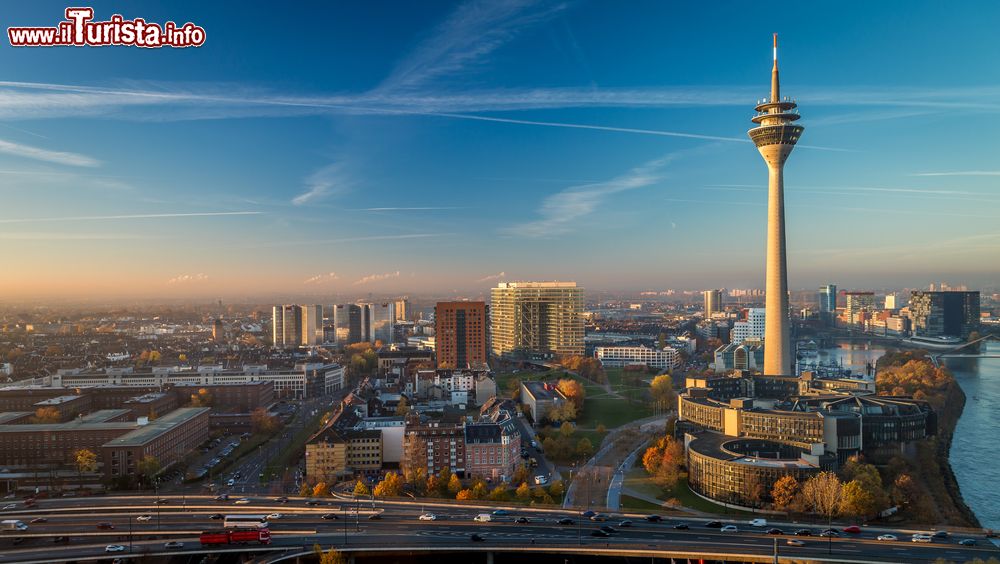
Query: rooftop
{"x": 157, "y": 427}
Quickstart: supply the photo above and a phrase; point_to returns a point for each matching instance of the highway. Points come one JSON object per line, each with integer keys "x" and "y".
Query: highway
{"x": 302, "y": 525}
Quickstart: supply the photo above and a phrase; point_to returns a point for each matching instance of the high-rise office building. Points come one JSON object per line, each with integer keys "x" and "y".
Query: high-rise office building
{"x": 378, "y": 321}
{"x": 713, "y": 302}
{"x": 891, "y": 301}
{"x": 312, "y": 325}
{"x": 286, "y": 326}
{"x": 750, "y": 328}
{"x": 775, "y": 137}
{"x": 218, "y": 331}
{"x": 347, "y": 324}
{"x": 859, "y": 305}
{"x": 536, "y": 319}
{"x": 828, "y": 301}
{"x": 402, "y": 309}
{"x": 944, "y": 314}
{"x": 460, "y": 333}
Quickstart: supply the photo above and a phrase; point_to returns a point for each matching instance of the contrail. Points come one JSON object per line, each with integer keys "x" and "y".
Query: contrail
{"x": 136, "y": 216}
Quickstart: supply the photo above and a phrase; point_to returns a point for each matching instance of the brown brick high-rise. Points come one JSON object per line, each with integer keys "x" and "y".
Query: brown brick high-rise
{"x": 460, "y": 333}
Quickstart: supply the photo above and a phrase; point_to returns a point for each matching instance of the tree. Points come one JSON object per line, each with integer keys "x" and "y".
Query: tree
{"x": 454, "y": 485}
{"x": 443, "y": 481}
{"x": 360, "y": 489}
{"x": 521, "y": 474}
{"x": 784, "y": 492}
{"x": 321, "y": 489}
{"x": 664, "y": 460}
{"x": 523, "y": 492}
{"x": 417, "y": 478}
{"x": 567, "y": 429}
{"x": 46, "y": 415}
{"x": 148, "y": 467}
{"x": 557, "y": 489}
{"x": 662, "y": 391}
{"x": 263, "y": 422}
{"x": 573, "y": 390}
{"x": 433, "y": 486}
{"x": 390, "y": 486}
{"x": 858, "y": 500}
{"x": 823, "y": 493}
{"x": 479, "y": 490}
{"x": 202, "y": 398}
{"x": 403, "y": 407}
{"x": 464, "y": 495}
{"x": 85, "y": 461}
{"x": 305, "y": 490}
{"x": 498, "y": 493}
{"x": 584, "y": 448}
{"x": 331, "y": 556}
{"x": 601, "y": 428}
{"x": 562, "y": 411}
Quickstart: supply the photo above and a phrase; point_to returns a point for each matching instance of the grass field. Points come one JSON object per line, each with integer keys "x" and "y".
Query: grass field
{"x": 629, "y": 502}
{"x": 638, "y": 480}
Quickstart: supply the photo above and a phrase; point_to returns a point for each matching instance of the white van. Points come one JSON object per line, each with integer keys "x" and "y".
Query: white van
{"x": 758, "y": 522}
{"x": 921, "y": 537}
{"x": 483, "y": 518}
{"x": 541, "y": 480}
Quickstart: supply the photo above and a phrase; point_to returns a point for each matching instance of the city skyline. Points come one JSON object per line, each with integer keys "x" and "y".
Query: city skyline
{"x": 457, "y": 145}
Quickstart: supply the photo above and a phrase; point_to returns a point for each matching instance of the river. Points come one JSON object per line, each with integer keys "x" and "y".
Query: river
{"x": 972, "y": 452}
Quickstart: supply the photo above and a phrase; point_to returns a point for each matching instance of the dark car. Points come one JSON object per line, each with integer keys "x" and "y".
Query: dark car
{"x": 775, "y": 531}
{"x": 588, "y": 514}
{"x": 18, "y": 540}
{"x": 375, "y": 517}
{"x": 215, "y": 516}
{"x": 312, "y": 502}
{"x": 803, "y": 533}
{"x": 476, "y": 537}
{"x": 598, "y": 518}
{"x": 681, "y": 526}
{"x": 599, "y": 533}
{"x": 565, "y": 521}
{"x": 714, "y": 524}
{"x": 939, "y": 534}
{"x": 829, "y": 533}
{"x": 61, "y": 539}
{"x": 105, "y": 526}
{"x": 967, "y": 542}
{"x": 281, "y": 499}
{"x": 161, "y": 501}
{"x": 39, "y": 520}
{"x": 609, "y": 529}
{"x": 521, "y": 520}
{"x": 501, "y": 512}
{"x": 654, "y": 518}
{"x": 329, "y": 516}
{"x": 223, "y": 497}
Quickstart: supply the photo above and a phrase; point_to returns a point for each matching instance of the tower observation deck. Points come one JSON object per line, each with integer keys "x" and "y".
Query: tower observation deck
{"x": 775, "y": 136}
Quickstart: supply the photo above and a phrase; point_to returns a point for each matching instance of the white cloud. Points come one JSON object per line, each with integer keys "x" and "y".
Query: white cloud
{"x": 327, "y": 181}
{"x": 185, "y": 278}
{"x": 377, "y": 278}
{"x": 322, "y": 278}
{"x": 496, "y": 276}
{"x": 38, "y": 154}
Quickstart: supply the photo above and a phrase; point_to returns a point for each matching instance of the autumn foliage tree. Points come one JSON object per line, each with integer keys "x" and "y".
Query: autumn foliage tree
{"x": 662, "y": 391}
{"x": 664, "y": 460}
{"x": 360, "y": 489}
{"x": 784, "y": 492}
{"x": 46, "y": 415}
{"x": 390, "y": 486}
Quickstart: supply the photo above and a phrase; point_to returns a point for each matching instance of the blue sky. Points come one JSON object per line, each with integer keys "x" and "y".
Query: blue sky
{"x": 388, "y": 147}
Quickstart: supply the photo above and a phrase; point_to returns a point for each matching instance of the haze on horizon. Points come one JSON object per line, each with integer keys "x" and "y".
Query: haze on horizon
{"x": 390, "y": 148}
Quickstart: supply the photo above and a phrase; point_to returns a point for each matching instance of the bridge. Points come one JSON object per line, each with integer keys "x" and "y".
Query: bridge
{"x": 953, "y": 353}
{"x": 345, "y": 524}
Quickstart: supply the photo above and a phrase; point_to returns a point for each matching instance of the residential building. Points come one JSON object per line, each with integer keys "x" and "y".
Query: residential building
{"x": 750, "y": 327}
{"x": 661, "y": 359}
{"x": 460, "y": 334}
{"x": 491, "y": 451}
{"x": 940, "y": 314}
{"x": 433, "y": 445}
{"x": 537, "y": 319}
{"x": 860, "y": 306}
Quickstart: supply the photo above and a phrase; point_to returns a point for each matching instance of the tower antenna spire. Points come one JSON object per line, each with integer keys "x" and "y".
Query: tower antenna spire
{"x": 775, "y": 87}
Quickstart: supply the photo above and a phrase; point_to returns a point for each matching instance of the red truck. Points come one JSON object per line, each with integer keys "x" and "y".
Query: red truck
{"x": 262, "y": 536}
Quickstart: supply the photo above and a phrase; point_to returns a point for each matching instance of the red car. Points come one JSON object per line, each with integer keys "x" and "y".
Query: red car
{"x": 853, "y": 529}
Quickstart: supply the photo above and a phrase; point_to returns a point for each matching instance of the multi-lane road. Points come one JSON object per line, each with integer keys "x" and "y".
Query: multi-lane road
{"x": 74, "y": 522}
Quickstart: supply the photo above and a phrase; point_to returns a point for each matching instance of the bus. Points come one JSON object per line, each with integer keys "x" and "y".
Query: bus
{"x": 245, "y": 522}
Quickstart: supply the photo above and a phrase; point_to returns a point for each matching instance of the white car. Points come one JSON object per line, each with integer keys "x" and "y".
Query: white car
{"x": 729, "y": 529}
{"x": 758, "y": 522}
{"x": 10, "y": 506}
{"x": 922, "y": 538}
{"x": 114, "y": 548}
{"x": 143, "y": 518}
{"x": 887, "y": 538}
{"x": 242, "y": 501}
{"x": 428, "y": 517}
{"x": 174, "y": 544}
{"x": 272, "y": 516}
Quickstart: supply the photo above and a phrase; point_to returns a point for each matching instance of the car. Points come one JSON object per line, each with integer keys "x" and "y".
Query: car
{"x": 173, "y": 544}
{"x": 758, "y": 522}
{"x": 143, "y": 518}
{"x": 625, "y": 523}
{"x": 887, "y": 537}
{"x": 18, "y": 540}
{"x": 39, "y": 520}
{"x": 941, "y": 534}
{"x": 312, "y": 502}
{"x": 653, "y": 518}
{"x": 501, "y": 512}
{"x": 609, "y": 529}
{"x": 598, "y": 518}
{"x": 476, "y": 537}
{"x": 852, "y": 529}
{"x": 375, "y": 517}
{"x": 918, "y": 537}
{"x": 242, "y": 501}
{"x": 10, "y": 506}
{"x": 775, "y": 531}
{"x": 105, "y": 526}
{"x": 829, "y": 533}
{"x": 564, "y": 521}
{"x": 216, "y": 516}
{"x": 682, "y": 526}
{"x": 588, "y": 514}
{"x": 231, "y": 482}
{"x": 729, "y": 529}
{"x": 60, "y": 539}
{"x": 428, "y": 517}
{"x": 329, "y": 516}
{"x": 714, "y": 524}
{"x": 599, "y": 533}
{"x": 114, "y": 548}
{"x": 223, "y": 497}
{"x": 521, "y": 520}
{"x": 274, "y": 516}
{"x": 795, "y": 542}
{"x": 162, "y": 501}
{"x": 967, "y": 542}
{"x": 281, "y": 499}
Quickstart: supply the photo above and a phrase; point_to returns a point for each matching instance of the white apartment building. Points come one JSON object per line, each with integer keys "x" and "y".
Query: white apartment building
{"x": 628, "y": 356}
{"x": 752, "y": 328}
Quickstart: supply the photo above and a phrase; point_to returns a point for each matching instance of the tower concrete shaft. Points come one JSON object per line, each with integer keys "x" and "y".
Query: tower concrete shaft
{"x": 775, "y": 137}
